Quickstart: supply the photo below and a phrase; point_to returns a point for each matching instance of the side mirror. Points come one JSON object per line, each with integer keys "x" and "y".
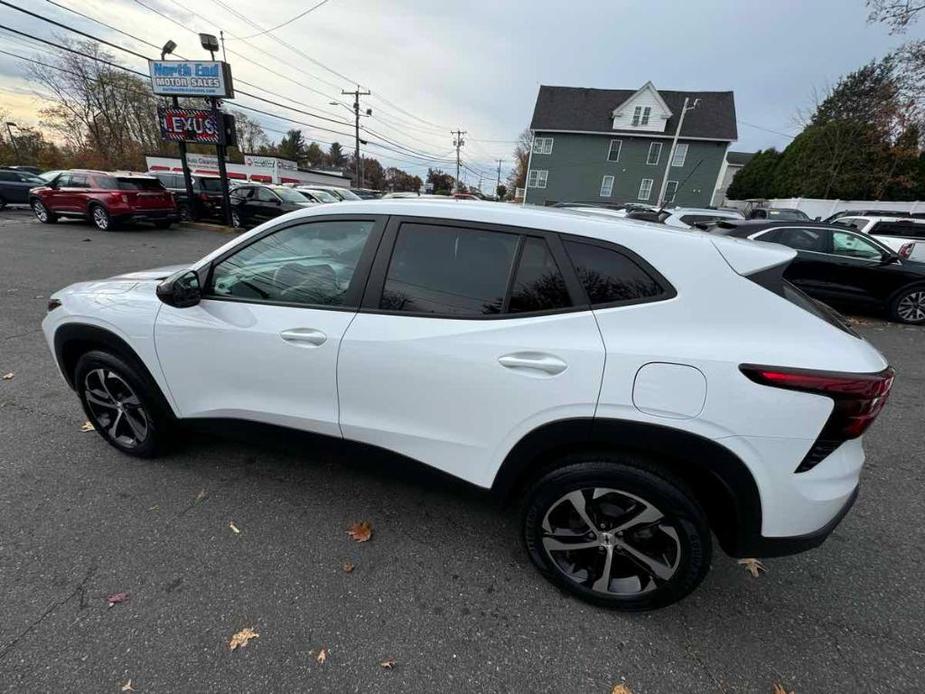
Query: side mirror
{"x": 818, "y": 219}
{"x": 889, "y": 259}
{"x": 180, "y": 290}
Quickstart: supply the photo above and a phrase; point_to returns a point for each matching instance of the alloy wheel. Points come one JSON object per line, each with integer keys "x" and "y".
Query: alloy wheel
{"x": 41, "y": 212}
{"x": 100, "y": 218}
{"x": 610, "y": 541}
{"x": 911, "y": 308}
{"x": 115, "y": 407}
{"x": 235, "y": 219}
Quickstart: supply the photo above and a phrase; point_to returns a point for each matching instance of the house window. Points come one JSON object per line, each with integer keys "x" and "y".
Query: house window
{"x": 613, "y": 154}
{"x": 542, "y": 145}
{"x": 606, "y": 186}
{"x": 645, "y": 188}
{"x": 670, "y": 190}
{"x": 537, "y": 178}
{"x": 655, "y": 153}
{"x": 680, "y": 155}
{"x": 641, "y": 115}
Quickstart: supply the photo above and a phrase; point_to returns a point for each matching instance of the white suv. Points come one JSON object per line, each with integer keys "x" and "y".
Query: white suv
{"x": 632, "y": 396}
{"x": 905, "y": 235}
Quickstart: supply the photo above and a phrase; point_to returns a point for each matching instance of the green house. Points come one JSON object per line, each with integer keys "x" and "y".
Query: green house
{"x": 615, "y": 145}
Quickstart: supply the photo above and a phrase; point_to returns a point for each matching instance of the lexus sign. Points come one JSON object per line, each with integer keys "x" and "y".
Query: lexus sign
{"x": 190, "y": 125}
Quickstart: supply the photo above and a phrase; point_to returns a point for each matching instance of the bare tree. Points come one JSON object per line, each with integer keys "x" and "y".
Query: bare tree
{"x": 518, "y": 177}
{"x": 97, "y": 109}
{"x": 251, "y": 136}
{"x": 896, "y": 14}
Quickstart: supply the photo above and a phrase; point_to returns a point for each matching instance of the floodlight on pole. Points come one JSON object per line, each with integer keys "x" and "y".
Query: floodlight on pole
{"x": 168, "y": 48}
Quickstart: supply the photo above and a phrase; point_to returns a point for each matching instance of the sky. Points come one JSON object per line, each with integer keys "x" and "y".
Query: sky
{"x": 434, "y": 67}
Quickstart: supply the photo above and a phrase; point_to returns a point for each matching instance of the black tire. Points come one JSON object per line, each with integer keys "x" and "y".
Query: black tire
{"x": 163, "y": 225}
{"x": 2, "y": 202}
{"x": 41, "y": 212}
{"x": 186, "y": 214}
{"x": 909, "y": 306}
{"x": 614, "y": 491}
{"x": 100, "y": 218}
{"x": 123, "y": 405}
{"x": 236, "y": 220}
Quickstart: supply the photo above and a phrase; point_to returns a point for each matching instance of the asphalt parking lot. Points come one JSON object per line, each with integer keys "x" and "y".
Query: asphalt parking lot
{"x": 443, "y": 587}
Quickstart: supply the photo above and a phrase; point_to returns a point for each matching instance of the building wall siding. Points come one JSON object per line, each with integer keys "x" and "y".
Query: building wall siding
{"x": 579, "y": 162}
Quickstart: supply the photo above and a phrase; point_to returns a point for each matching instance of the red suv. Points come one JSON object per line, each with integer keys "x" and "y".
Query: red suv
{"x": 106, "y": 199}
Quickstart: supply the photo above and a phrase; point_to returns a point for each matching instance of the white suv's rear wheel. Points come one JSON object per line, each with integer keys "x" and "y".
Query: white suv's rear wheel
{"x": 617, "y": 533}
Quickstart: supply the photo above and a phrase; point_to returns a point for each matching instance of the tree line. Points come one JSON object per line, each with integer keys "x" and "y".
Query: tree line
{"x": 863, "y": 138}
{"x": 99, "y": 117}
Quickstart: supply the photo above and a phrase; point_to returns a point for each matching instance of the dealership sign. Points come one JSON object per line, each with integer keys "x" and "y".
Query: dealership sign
{"x": 191, "y": 78}
{"x": 190, "y": 125}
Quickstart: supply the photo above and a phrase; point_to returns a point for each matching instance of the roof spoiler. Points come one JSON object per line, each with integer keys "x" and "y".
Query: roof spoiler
{"x": 748, "y": 257}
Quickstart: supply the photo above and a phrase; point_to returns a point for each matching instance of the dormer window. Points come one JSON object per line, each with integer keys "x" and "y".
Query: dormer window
{"x": 641, "y": 115}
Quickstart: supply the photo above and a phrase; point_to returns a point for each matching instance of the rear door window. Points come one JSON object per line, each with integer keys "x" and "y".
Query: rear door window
{"x": 611, "y": 277}
{"x": 813, "y": 240}
{"x": 450, "y": 271}
{"x": 211, "y": 185}
{"x": 538, "y": 282}
{"x": 132, "y": 183}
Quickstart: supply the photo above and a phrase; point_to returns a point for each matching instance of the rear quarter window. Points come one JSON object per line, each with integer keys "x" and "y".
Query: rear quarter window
{"x": 610, "y": 277}
{"x": 127, "y": 183}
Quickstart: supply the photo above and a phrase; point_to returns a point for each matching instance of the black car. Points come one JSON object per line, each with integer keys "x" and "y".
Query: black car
{"x": 255, "y": 204}
{"x": 207, "y": 194}
{"x": 15, "y": 185}
{"x": 843, "y": 267}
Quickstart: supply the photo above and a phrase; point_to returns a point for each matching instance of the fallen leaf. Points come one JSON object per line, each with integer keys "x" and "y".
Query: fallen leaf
{"x": 234, "y": 528}
{"x": 8, "y": 377}
{"x": 322, "y": 655}
{"x": 753, "y": 566}
{"x": 116, "y": 598}
{"x": 127, "y": 687}
{"x": 361, "y": 532}
{"x": 779, "y": 689}
{"x": 200, "y": 496}
{"x": 242, "y": 637}
{"x": 621, "y": 689}
{"x": 87, "y": 426}
{"x": 156, "y": 507}
{"x": 348, "y": 567}
{"x": 387, "y": 664}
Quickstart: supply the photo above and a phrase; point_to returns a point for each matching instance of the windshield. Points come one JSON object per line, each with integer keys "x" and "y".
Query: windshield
{"x": 213, "y": 185}
{"x": 345, "y": 194}
{"x": 32, "y": 179}
{"x": 289, "y": 195}
{"x": 322, "y": 195}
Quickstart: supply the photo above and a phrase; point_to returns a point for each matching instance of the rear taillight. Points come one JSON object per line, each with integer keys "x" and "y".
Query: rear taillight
{"x": 858, "y": 399}
{"x": 906, "y": 250}
{"x": 204, "y": 197}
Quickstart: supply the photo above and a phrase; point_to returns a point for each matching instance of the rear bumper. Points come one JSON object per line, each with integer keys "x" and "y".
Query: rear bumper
{"x": 760, "y": 546}
{"x": 149, "y": 216}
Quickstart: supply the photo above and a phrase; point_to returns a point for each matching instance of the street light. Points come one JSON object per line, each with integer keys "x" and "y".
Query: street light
{"x": 168, "y": 48}
{"x": 209, "y": 42}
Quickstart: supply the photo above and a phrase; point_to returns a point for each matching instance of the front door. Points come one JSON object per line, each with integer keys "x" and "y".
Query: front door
{"x": 469, "y": 338}
{"x": 263, "y": 343}
{"x": 858, "y": 275}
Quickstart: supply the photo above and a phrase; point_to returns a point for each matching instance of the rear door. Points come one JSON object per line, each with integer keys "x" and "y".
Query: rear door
{"x": 267, "y": 205}
{"x": 469, "y": 337}
{"x": 813, "y": 268}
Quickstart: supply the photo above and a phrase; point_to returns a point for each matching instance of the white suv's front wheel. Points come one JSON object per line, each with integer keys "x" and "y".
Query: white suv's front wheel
{"x": 617, "y": 532}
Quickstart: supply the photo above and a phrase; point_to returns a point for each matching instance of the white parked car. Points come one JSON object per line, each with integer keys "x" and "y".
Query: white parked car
{"x": 895, "y": 232}
{"x": 634, "y": 398}
{"x": 687, "y": 217}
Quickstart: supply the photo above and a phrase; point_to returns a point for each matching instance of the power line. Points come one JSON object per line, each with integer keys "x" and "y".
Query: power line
{"x": 288, "y": 21}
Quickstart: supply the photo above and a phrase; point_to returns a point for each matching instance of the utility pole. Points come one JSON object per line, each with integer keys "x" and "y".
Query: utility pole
{"x": 9, "y": 129}
{"x": 674, "y": 143}
{"x": 356, "y": 93}
{"x": 457, "y": 143}
{"x": 498, "y": 186}
{"x": 192, "y": 205}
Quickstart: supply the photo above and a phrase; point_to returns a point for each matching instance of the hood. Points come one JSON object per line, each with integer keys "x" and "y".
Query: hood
{"x": 157, "y": 273}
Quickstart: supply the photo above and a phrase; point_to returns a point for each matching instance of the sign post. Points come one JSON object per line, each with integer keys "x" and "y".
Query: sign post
{"x": 195, "y": 78}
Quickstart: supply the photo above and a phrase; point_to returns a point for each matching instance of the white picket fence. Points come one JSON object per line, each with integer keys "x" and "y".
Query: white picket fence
{"x": 820, "y": 207}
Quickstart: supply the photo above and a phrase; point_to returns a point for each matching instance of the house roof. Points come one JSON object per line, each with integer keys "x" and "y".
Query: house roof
{"x": 590, "y": 110}
{"x": 739, "y": 158}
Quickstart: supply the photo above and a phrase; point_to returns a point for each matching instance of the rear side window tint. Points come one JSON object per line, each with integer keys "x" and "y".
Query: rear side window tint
{"x": 538, "y": 283}
{"x": 449, "y": 271}
{"x": 126, "y": 183}
{"x": 609, "y": 276}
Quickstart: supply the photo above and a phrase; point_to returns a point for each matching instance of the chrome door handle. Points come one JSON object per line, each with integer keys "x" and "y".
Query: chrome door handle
{"x": 534, "y": 361}
{"x": 304, "y": 337}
